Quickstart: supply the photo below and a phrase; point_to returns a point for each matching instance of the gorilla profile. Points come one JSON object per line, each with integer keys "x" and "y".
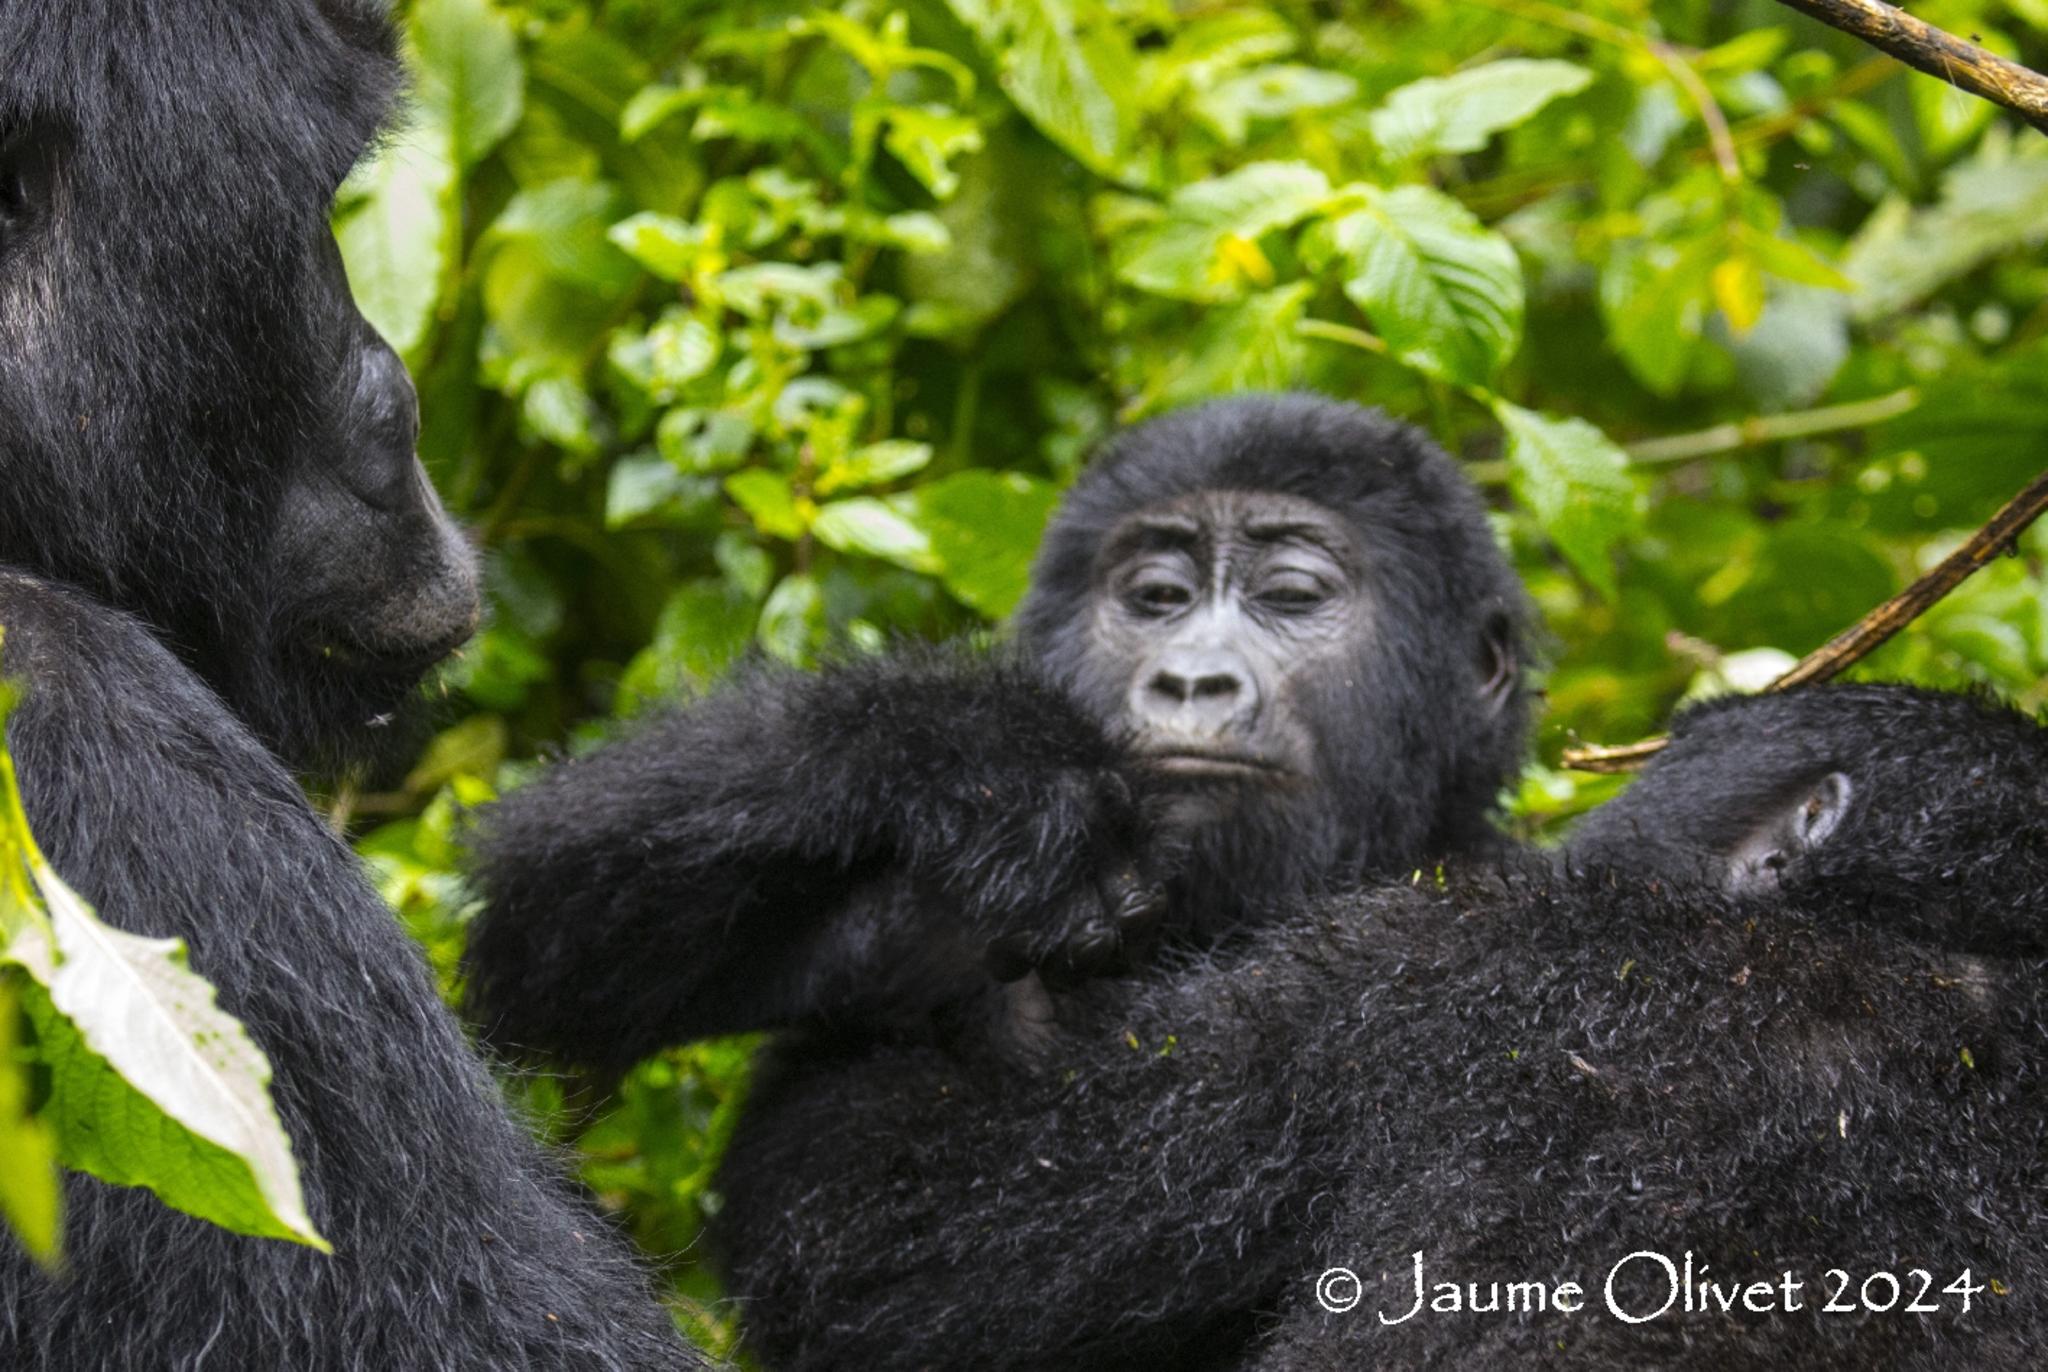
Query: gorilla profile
{"x": 221, "y": 560}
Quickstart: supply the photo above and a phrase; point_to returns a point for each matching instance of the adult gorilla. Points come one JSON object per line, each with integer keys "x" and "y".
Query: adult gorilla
{"x": 1785, "y": 1010}
{"x": 1270, "y": 646}
{"x": 218, "y": 544}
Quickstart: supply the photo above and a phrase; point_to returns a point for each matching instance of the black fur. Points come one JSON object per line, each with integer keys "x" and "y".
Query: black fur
{"x": 215, "y": 541}
{"x": 1527, "y": 1075}
{"x": 842, "y": 848}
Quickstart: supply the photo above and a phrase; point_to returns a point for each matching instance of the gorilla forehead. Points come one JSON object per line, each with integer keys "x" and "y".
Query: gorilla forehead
{"x": 1426, "y": 544}
{"x": 285, "y": 92}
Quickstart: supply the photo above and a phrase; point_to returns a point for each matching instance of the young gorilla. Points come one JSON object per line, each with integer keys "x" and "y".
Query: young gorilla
{"x": 218, "y": 542}
{"x": 1784, "y": 1009}
{"x": 1269, "y": 646}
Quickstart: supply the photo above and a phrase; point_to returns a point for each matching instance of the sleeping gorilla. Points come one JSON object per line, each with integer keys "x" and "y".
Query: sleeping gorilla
{"x": 217, "y": 543}
{"x": 1783, "y": 1007}
{"x": 1269, "y": 646}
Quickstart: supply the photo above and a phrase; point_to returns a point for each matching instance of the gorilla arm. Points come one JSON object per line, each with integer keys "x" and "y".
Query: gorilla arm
{"x": 804, "y": 846}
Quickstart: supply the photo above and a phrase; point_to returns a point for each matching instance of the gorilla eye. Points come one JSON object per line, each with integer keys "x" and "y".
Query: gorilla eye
{"x": 1158, "y": 595}
{"x": 1292, "y": 593}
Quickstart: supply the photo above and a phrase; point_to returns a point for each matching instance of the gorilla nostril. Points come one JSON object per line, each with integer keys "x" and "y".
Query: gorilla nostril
{"x": 1174, "y": 688}
{"x": 1218, "y": 687}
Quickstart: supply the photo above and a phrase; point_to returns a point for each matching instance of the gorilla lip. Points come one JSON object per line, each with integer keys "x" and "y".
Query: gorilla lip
{"x": 1192, "y": 762}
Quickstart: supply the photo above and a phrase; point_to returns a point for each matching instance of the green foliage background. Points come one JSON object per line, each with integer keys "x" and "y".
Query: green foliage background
{"x": 748, "y": 325}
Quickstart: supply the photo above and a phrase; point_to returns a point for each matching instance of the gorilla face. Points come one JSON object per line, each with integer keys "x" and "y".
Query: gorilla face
{"x": 195, "y": 421}
{"x": 1295, "y": 611}
{"x": 1211, "y": 614}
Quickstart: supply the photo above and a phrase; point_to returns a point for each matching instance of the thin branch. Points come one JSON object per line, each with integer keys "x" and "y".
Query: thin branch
{"x": 1863, "y": 637}
{"x": 1718, "y": 137}
{"x": 1772, "y": 428}
{"x": 1937, "y": 52}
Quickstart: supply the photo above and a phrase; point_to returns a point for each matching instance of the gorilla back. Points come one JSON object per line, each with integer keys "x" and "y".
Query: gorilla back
{"x": 216, "y": 538}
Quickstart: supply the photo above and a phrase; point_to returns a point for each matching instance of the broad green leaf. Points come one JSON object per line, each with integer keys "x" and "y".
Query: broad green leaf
{"x": 1575, "y": 482}
{"x": 565, "y": 223}
{"x": 984, "y": 528}
{"x": 875, "y": 463}
{"x": 1068, "y": 81}
{"x": 875, "y": 529}
{"x": 1441, "y": 289}
{"x": 680, "y": 349}
{"x": 752, "y": 289}
{"x": 699, "y": 441}
{"x": 1991, "y": 204}
{"x": 1183, "y": 254}
{"x": 473, "y": 747}
{"x": 768, "y": 501}
{"x": 671, "y": 248}
{"x": 1247, "y": 346}
{"x": 30, "y": 1200}
{"x": 703, "y": 627}
{"x": 792, "y": 625}
{"x": 1654, "y": 298}
{"x": 1274, "y": 92}
{"x": 558, "y": 409}
{"x": 470, "y": 77}
{"x": 926, "y": 139}
{"x": 1442, "y": 114}
{"x": 151, "y": 1084}
{"x": 393, "y": 221}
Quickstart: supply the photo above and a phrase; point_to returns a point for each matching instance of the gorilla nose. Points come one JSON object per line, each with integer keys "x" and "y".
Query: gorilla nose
{"x": 1200, "y": 691}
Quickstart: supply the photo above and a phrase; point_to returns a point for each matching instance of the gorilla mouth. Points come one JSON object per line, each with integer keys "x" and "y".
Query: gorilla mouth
{"x": 1207, "y": 763}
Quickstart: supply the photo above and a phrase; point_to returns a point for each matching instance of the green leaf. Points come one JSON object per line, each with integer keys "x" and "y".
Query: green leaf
{"x": 1274, "y": 92}
{"x": 768, "y": 501}
{"x": 1654, "y": 298}
{"x": 1248, "y": 346}
{"x": 792, "y": 626}
{"x": 1575, "y": 482}
{"x": 875, "y": 463}
{"x": 926, "y": 139}
{"x": 469, "y": 74}
{"x": 1183, "y": 254}
{"x": 1442, "y": 114}
{"x": 1992, "y": 204}
{"x": 151, "y": 1084}
{"x": 983, "y": 528}
{"x": 1442, "y": 290}
{"x": 673, "y": 249}
{"x": 473, "y": 748}
{"x": 30, "y": 1199}
{"x": 393, "y": 221}
{"x": 703, "y": 627}
{"x": 1069, "y": 82}
{"x": 876, "y": 529}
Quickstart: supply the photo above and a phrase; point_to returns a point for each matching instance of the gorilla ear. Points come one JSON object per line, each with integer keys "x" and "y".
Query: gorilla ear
{"x": 1787, "y": 831}
{"x": 1499, "y": 666}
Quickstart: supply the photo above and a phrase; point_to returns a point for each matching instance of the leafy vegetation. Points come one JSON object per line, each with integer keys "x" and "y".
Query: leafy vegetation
{"x": 144, "y": 1080}
{"x": 777, "y": 327}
